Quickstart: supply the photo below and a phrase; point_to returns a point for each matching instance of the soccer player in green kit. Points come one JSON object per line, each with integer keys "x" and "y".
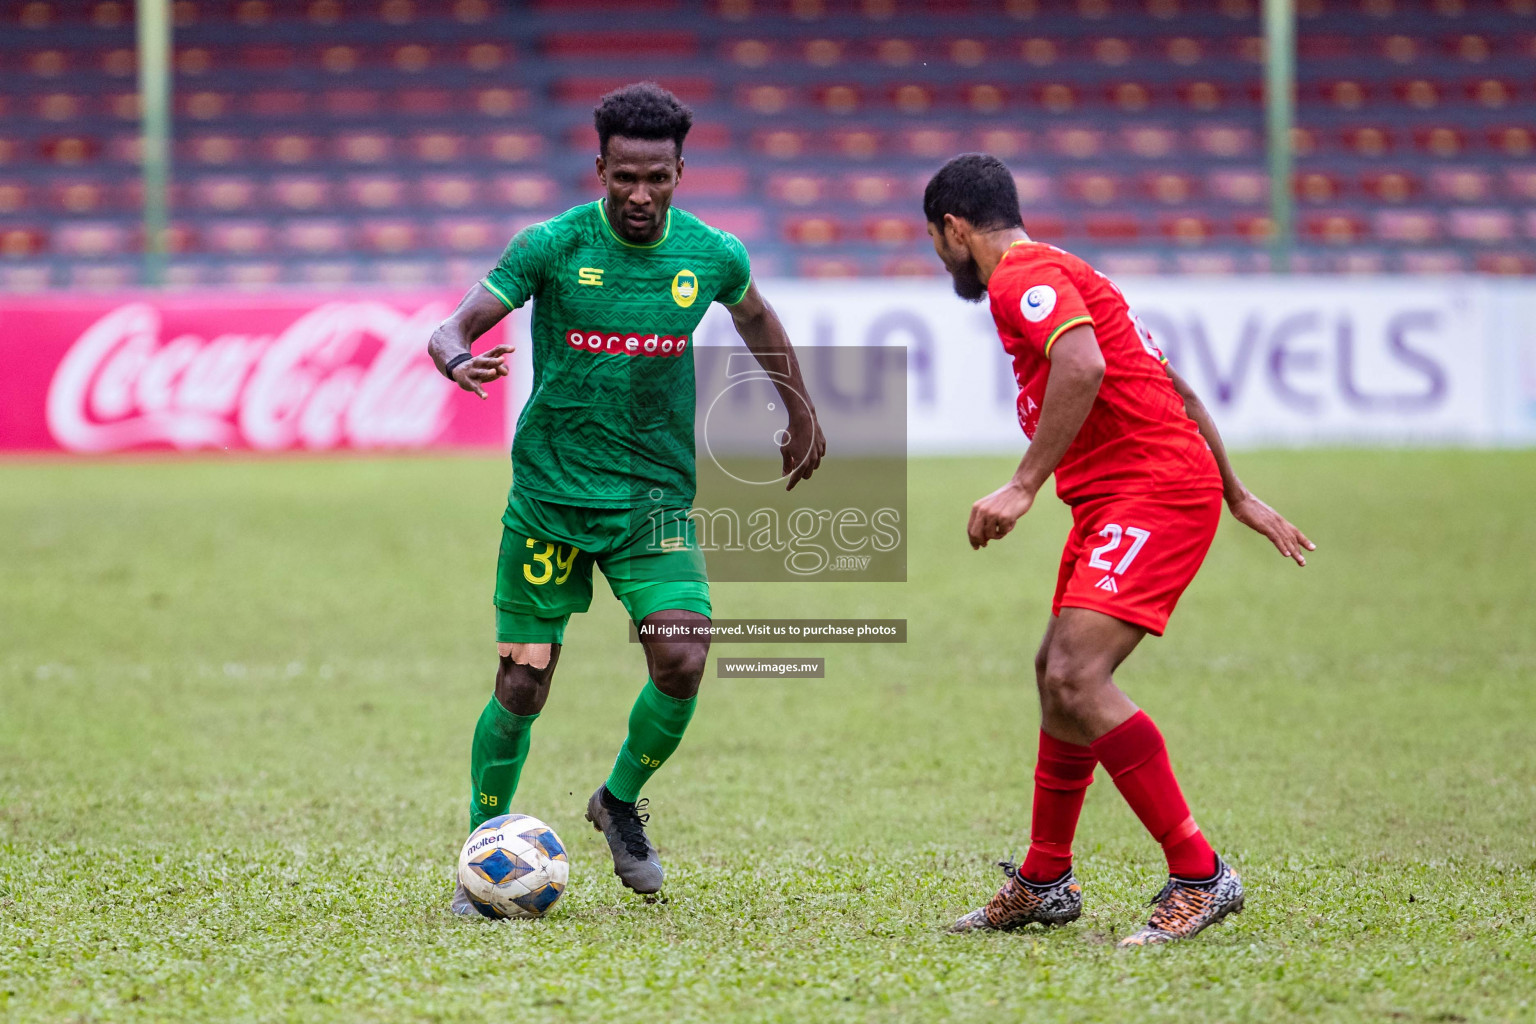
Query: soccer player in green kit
{"x": 604, "y": 449}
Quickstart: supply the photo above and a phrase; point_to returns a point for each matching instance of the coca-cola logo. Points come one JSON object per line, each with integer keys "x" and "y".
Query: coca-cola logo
{"x": 345, "y": 374}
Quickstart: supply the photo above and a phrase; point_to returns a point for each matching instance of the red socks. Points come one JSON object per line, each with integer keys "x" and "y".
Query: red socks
{"x": 1062, "y": 775}
{"x": 1135, "y": 756}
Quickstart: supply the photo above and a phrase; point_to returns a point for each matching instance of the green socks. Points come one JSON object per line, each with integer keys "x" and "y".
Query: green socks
{"x": 496, "y": 760}
{"x": 656, "y": 726}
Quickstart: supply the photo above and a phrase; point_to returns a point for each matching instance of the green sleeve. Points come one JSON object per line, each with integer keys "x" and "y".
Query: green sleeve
{"x": 736, "y": 267}
{"x": 520, "y": 272}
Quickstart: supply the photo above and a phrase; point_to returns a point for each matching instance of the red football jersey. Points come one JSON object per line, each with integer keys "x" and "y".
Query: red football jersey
{"x": 1137, "y": 437}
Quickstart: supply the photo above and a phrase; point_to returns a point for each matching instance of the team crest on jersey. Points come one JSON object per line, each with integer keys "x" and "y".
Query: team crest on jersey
{"x": 685, "y": 288}
{"x": 1038, "y": 302}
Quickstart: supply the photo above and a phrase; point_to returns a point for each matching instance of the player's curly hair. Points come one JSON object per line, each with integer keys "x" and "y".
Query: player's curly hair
{"x": 641, "y": 111}
{"x": 977, "y": 187}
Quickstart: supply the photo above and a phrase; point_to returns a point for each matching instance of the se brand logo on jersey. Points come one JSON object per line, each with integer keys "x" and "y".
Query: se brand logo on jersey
{"x": 1038, "y": 303}
{"x": 590, "y": 276}
{"x": 685, "y": 288}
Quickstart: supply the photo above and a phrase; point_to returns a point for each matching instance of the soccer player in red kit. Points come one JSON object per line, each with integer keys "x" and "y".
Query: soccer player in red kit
{"x": 1138, "y": 459}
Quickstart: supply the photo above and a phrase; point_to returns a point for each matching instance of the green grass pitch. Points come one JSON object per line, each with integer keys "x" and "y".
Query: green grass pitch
{"x": 236, "y": 702}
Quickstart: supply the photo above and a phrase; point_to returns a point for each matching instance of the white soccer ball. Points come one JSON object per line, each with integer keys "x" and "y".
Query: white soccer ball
{"x": 514, "y": 866}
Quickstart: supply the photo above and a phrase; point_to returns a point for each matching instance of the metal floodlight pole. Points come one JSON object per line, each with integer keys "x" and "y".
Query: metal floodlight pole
{"x": 1279, "y": 112}
{"x": 154, "y": 34}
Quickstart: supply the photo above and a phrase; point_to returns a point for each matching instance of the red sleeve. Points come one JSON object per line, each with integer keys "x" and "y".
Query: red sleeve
{"x": 1040, "y": 302}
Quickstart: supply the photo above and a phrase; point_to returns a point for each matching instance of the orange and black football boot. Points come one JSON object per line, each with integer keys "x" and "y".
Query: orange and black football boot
{"x": 1186, "y": 907}
{"x": 1020, "y": 902}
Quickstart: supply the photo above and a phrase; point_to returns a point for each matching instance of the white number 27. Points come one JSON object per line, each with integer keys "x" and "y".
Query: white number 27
{"x": 1115, "y": 533}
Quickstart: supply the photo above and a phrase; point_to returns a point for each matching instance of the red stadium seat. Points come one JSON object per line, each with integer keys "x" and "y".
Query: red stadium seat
{"x": 374, "y": 191}
{"x": 69, "y": 150}
{"x": 1320, "y": 46}
{"x": 1333, "y": 228}
{"x": 912, "y": 98}
{"x": 364, "y": 147}
{"x": 1491, "y": 93}
{"x": 413, "y": 58}
{"x": 350, "y": 103}
{"x": 225, "y": 193}
{"x": 1506, "y": 263}
{"x": 450, "y": 191}
{"x": 204, "y": 105}
{"x": 278, "y": 103}
{"x": 968, "y": 52}
{"x": 326, "y": 273}
{"x": 484, "y": 57}
{"x": 1481, "y": 226}
{"x": 1433, "y": 262}
{"x": 1203, "y": 96}
{"x": 13, "y": 196}
{"x": 813, "y": 231}
{"x": 523, "y": 191}
{"x": 1150, "y": 142}
{"x": 1077, "y": 143}
{"x": 1520, "y": 184}
{"x": 839, "y": 99}
{"x": 1410, "y": 227}
{"x": 911, "y": 266}
{"x": 58, "y": 107}
{"x": 750, "y": 53}
{"x": 1003, "y": 142}
{"x": 828, "y": 267}
{"x": 767, "y": 100}
{"x": 1131, "y": 97}
{"x": 1418, "y": 93}
{"x": 1317, "y": 187}
{"x": 1095, "y": 189}
{"x": 1034, "y": 188}
{"x": 1255, "y": 228}
{"x": 857, "y": 143}
{"x": 892, "y": 230}
{"x": 588, "y": 90}
{"x": 1206, "y": 263}
{"x": 268, "y": 58}
{"x": 216, "y": 150}
{"x": 237, "y": 237}
{"x": 389, "y": 235}
{"x": 1112, "y": 227}
{"x": 1184, "y": 51}
{"x": 1113, "y": 51}
{"x": 873, "y": 189}
{"x": 1516, "y": 141}
{"x": 1227, "y": 141}
{"x": 745, "y": 222}
{"x": 425, "y": 102}
{"x": 1391, "y": 186}
{"x": 1170, "y": 188}
{"x": 301, "y": 192}
{"x": 727, "y": 181}
{"x": 782, "y": 143}
{"x": 521, "y": 147}
{"x": 499, "y": 101}
{"x": 254, "y": 275}
{"x": 1462, "y": 184}
{"x": 591, "y": 46}
{"x": 315, "y": 236}
{"x": 1440, "y": 141}
{"x": 929, "y": 143}
{"x": 1055, "y": 97}
{"x": 984, "y": 97}
{"x": 467, "y": 234}
{"x": 438, "y": 147}
{"x": 1186, "y": 229}
{"x": 20, "y": 241}
{"x": 796, "y": 189}
{"x": 1368, "y": 141}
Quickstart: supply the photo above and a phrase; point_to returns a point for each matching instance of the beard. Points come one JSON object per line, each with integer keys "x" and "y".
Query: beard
{"x": 967, "y": 279}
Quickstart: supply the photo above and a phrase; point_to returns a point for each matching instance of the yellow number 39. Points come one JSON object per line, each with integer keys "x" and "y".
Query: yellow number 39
{"x": 551, "y": 558}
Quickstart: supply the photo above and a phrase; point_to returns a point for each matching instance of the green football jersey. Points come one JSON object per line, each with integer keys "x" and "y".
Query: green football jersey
{"x": 609, "y": 423}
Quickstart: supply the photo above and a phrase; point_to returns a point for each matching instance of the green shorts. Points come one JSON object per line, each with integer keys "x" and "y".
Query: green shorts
{"x": 650, "y": 557}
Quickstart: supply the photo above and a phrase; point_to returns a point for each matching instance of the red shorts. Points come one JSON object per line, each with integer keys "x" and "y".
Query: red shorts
{"x": 1131, "y": 556}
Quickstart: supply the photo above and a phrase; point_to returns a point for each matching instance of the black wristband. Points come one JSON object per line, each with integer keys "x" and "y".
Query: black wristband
{"x": 455, "y": 363}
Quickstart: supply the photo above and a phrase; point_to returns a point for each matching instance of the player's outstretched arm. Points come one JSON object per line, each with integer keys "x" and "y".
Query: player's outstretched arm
{"x": 478, "y": 312}
{"x": 1077, "y": 370}
{"x": 764, "y": 335}
{"x": 1245, "y": 506}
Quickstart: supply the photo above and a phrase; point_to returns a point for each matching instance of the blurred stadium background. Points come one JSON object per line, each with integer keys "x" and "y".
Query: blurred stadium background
{"x": 401, "y": 142}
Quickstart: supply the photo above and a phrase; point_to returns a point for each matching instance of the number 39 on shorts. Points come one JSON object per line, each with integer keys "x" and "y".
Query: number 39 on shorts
{"x": 547, "y": 559}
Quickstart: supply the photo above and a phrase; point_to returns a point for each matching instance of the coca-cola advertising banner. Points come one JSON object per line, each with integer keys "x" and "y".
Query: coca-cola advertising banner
{"x": 263, "y": 373}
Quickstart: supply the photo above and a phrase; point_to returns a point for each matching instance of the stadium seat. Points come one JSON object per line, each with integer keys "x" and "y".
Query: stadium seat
{"x": 1112, "y": 227}
{"x": 522, "y": 191}
{"x": 745, "y": 222}
{"x": 1506, "y": 263}
{"x": 857, "y": 143}
{"x": 351, "y": 103}
{"x": 278, "y": 103}
{"x": 873, "y": 189}
{"x": 364, "y": 147}
{"x": 911, "y": 266}
{"x": 1318, "y": 187}
{"x": 1481, "y": 226}
{"x": 1440, "y": 141}
{"x": 782, "y": 143}
{"x": 1077, "y": 143}
{"x": 1520, "y": 184}
{"x": 828, "y": 267}
{"x": 425, "y": 102}
{"x": 290, "y": 148}
{"x": 1461, "y": 184}
{"x": 1187, "y": 229}
{"x": 1169, "y": 188}
{"x": 719, "y": 181}
{"x": 1149, "y": 141}
{"x": 1337, "y": 227}
{"x": 389, "y": 235}
{"x": 301, "y": 192}
{"x": 1432, "y": 262}
{"x": 590, "y": 46}
{"x": 1227, "y": 141}
{"x": 1034, "y": 188}
{"x": 467, "y": 234}
{"x": 1095, "y": 189}
{"x": 226, "y": 193}
{"x": 1517, "y": 141}
{"x": 930, "y": 143}
{"x": 374, "y": 191}
{"x": 315, "y": 236}
{"x": 69, "y": 150}
{"x": 519, "y": 147}
{"x": 438, "y": 147}
{"x": 20, "y": 241}
{"x": 237, "y": 237}
{"x": 1003, "y": 142}
{"x": 216, "y": 150}
{"x": 1391, "y": 186}
{"x": 1410, "y": 227}
{"x": 892, "y": 231}
{"x": 450, "y": 191}
{"x": 813, "y": 231}
{"x": 13, "y": 196}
